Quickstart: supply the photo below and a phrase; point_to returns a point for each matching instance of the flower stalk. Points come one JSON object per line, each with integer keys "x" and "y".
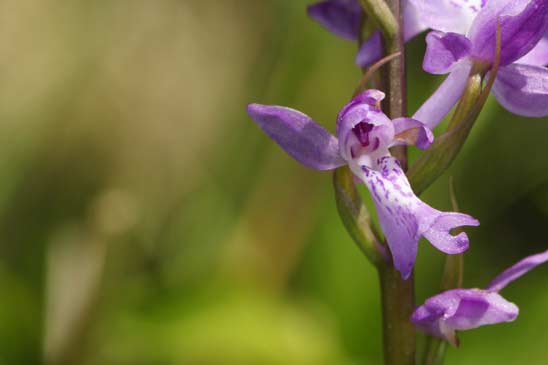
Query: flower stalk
{"x": 397, "y": 294}
{"x": 398, "y": 303}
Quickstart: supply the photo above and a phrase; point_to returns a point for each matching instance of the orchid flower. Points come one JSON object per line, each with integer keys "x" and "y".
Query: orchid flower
{"x": 464, "y": 35}
{"x": 463, "y": 309}
{"x": 365, "y": 134}
{"x": 344, "y": 19}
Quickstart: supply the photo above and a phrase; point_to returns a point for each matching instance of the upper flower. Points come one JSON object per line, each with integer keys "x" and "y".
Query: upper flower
{"x": 344, "y": 18}
{"x": 465, "y": 34}
{"x": 365, "y": 135}
{"x": 463, "y": 309}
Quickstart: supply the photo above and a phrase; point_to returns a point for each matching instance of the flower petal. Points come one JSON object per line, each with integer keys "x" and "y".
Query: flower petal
{"x": 538, "y": 55}
{"x": 403, "y": 217}
{"x": 523, "y": 89}
{"x": 440, "y": 103}
{"x": 412, "y": 132}
{"x": 436, "y": 230}
{"x": 364, "y": 106}
{"x": 462, "y": 309}
{"x": 522, "y": 24}
{"x": 370, "y": 51}
{"x": 341, "y": 17}
{"x": 394, "y": 202}
{"x": 518, "y": 270}
{"x": 300, "y": 136}
{"x": 448, "y": 15}
{"x": 411, "y": 21}
{"x": 444, "y": 51}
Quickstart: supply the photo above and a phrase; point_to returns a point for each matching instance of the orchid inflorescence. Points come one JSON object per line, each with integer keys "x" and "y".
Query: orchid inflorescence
{"x": 503, "y": 41}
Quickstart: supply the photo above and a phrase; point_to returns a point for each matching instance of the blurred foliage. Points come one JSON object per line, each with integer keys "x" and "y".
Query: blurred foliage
{"x": 144, "y": 219}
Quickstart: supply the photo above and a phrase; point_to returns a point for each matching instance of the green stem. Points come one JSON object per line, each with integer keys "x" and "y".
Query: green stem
{"x": 398, "y": 295}
{"x": 394, "y": 76}
{"x": 398, "y": 300}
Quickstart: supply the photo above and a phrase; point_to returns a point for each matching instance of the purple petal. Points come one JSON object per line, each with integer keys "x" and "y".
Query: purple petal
{"x": 412, "y": 132}
{"x": 437, "y": 229}
{"x": 411, "y": 21}
{"x": 444, "y": 51}
{"x": 539, "y": 55}
{"x": 403, "y": 217}
{"x": 522, "y": 23}
{"x": 518, "y": 270}
{"x": 394, "y": 202}
{"x": 341, "y": 17}
{"x": 300, "y": 136}
{"x": 448, "y": 15}
{"x": 370, "y": 50}
{"x": 523, "y": 89}
{"x": 445, "y": 97}
{"x": 462, "y": 309}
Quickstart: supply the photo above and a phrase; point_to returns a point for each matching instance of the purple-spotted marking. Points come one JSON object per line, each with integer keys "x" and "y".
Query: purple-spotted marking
{"x": 473, "y": 5}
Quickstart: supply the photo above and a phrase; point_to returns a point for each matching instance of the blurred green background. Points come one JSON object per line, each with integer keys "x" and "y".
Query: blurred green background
{"x": 144, "y": 219}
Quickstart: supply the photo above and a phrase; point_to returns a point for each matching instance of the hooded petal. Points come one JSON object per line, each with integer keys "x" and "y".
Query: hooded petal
{"x": 341, "y": 17}
{"x": 404, "y": 218}
{"x": 522, "y": 24}
{"x": 538, "y": 55}
{"x": 444, "y": 51}
{"x": 370, "y": 51}
{"x": 523, "y": 89}
{"x": 440, "y": 103}
{"x": 448, "y": 15}
{"x": 412, "y": 132}
{"x": 300, "y": 136}
{"x": 518, "y": 270}
{"x": 462, "y": 309}
{"x": 363, "y": 107}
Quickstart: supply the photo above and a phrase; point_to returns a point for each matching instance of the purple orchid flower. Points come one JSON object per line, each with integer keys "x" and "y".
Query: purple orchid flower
{"x": 344, "y": 19}
{"x": 465, "y": 34}
{"x": 365, "y": 134}
{"x": 463, "y": 309}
